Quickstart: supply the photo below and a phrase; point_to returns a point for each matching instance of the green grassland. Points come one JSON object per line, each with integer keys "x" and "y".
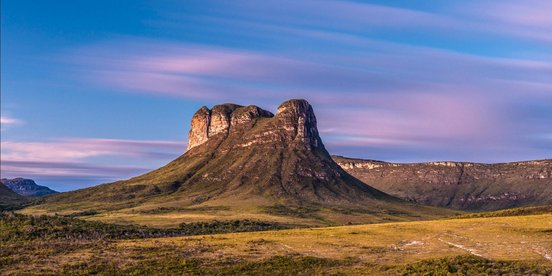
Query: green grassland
{"x": 490, "y": 245}
{"x": 521, "y": 211}
{"x": 167, "y": 212}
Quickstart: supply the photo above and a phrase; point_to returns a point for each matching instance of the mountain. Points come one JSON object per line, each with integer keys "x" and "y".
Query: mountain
{"x": 9, "y": 199}
{"x": 26, "y": 187}
{"x": 459, "y": 185}
{"x": 245, "y": 162}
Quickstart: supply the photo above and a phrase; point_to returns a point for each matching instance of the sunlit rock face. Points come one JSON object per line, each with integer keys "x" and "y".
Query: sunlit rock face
{"x": 294, "y": 123}
{"x": 220, "y": 120}
{"x": 200, "y": 127}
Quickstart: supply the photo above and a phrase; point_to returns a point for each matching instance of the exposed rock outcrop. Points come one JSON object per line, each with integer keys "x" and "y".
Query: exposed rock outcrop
{"x": 208, "y": 123}
{"x": 459, "y": 185}
{"x": 295, "y": 122}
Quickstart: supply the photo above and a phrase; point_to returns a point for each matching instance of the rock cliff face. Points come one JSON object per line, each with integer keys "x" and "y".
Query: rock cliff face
{"x": 26, "y": 187}
{"x": 294, "y": 125}
{"x": 208, "y": 123}
{"x": 459, "y": 185}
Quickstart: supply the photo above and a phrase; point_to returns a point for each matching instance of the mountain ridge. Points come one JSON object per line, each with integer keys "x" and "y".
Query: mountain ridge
{"x": 26, "y": 187}
{"x": 459, "y": 185}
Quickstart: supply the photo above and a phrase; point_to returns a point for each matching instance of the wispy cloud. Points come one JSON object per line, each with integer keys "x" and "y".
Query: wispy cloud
{"x": 76, "y": 149}
{"x": 5, "y": 120}
{"x": 85, "y": 159}
{"x": 529, "y": 19}
{"x": 389, "y": 93}
{"x": 199, "y": 71}
{"x": 69, "y": 169}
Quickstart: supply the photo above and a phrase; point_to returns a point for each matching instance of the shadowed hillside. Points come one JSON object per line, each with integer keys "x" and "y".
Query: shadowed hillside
{"x": 9, "y": 199}
{"x": 26, "y": 187}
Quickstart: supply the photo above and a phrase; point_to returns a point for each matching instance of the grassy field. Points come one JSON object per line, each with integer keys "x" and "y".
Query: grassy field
{"x": 493, "y": 245}
{"x": 169, "y": 213}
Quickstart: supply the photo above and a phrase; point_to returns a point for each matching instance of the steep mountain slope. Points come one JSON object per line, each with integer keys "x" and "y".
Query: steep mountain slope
{"x": 244, "y": 162}
{"x": 26, "y": 187}
{"x": 459, "y": 185}
{"x": 9, "y": 199}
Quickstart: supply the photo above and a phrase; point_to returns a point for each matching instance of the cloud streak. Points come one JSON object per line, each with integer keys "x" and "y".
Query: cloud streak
{"x": 75, "y": 149}
{"x": 392, "y": 94}
{"x": 86, "y": 159}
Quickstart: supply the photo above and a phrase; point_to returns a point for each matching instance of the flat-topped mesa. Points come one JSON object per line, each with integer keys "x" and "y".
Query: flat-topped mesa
{"x": 208, "y": 123}
{"x": 294, "y": 124}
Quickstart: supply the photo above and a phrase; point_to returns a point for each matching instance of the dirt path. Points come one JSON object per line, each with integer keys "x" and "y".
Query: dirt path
{"x": 470, "y": 250}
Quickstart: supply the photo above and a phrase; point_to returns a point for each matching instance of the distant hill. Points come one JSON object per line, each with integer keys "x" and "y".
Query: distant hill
{"x": 245, "y": 162}
{"x": 9, "y": 199}
{"x": 26, "y": 187}
{"x": 459, "y": 185}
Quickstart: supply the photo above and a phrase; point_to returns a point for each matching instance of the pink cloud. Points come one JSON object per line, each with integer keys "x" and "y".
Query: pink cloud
{"x": 68, "y": 169}
{"x": 85, "y": 160}
{"x": 8, "y": 120}
{"x": 531, "y": 13}
{"x": 203, "y": 72}
{"x": 528, "y": 19}
{"x": 411, "y": 120}
{"x": 78, "y": 149}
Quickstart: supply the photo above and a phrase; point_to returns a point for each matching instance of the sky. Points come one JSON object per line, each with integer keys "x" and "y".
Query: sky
{"x": 97, "y": 91}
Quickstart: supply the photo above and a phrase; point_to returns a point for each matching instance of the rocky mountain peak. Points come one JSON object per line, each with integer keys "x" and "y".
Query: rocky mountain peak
{"x": 297, "y": 117}
{"x": 295, "y": 123}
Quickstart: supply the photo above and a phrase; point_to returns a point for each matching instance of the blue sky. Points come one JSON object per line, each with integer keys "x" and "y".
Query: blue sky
{"x": 96, "y": 91}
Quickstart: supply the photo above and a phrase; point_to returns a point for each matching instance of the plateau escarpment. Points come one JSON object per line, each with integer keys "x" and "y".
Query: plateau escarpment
{"x": 245, "y": 158}
{"x": 459, "y": 185}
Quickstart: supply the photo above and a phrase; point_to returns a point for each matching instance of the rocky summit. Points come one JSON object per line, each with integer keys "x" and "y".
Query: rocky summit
{"x": 278, "y": 156}
{"x": 248, "y": 159}
{"x": 459, "y": 185}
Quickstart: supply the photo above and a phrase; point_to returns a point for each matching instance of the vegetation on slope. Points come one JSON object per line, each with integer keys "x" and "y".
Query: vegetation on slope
{"x": 17, "y": 227}
{"x": 522, "y": 211}
{"x": 471, "y": 265}
{"x": 10, "y": 200}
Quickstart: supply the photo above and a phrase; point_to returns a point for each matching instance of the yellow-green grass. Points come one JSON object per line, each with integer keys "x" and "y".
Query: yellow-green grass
{"x": 505, "y": 238}
{"x": 359, "y": 249}
{"x": 169, "y": 213}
